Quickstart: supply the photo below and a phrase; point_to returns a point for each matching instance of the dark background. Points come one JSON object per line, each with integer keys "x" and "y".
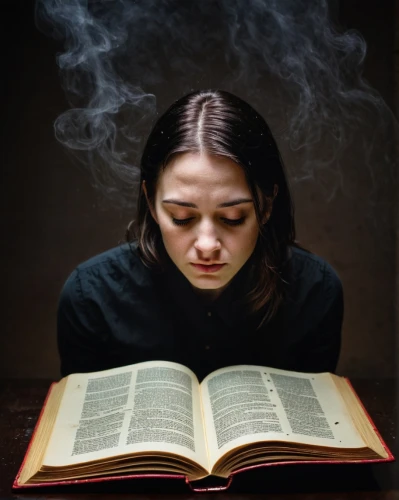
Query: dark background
{"x": 52, "y": 219}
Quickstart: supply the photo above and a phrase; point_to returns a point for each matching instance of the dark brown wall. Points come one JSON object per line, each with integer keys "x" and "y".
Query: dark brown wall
{"x": 52, "y": 219}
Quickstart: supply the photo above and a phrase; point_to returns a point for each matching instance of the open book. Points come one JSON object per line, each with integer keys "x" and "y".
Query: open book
{"x": 155, "y": 418}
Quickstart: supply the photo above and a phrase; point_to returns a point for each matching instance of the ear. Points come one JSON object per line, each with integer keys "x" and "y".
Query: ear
{"x": 150, "y": 205}
{"x": 268, "y": 205}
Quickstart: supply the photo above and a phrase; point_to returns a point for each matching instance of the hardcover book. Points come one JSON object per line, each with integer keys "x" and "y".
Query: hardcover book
{"x": 155, "y": 419}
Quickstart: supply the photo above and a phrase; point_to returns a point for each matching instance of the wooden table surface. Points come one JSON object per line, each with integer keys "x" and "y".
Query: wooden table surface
{"x": 21, "y": 401}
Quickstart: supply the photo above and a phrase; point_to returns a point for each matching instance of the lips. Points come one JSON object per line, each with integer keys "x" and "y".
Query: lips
{"x": 208, "y": 268}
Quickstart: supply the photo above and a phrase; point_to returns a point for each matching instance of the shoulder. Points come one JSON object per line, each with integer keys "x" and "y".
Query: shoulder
{"x": 110, "y": 272}
{"x": 124, "y": 256}
{"x": 308, "y": 272}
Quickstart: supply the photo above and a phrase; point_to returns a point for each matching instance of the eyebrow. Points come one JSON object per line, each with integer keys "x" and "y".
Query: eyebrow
{"x": 232, "y": 203}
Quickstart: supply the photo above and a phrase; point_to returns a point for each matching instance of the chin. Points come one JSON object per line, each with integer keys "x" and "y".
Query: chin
{"x": 209, "y": 284}
{"x": 215, "y": 288}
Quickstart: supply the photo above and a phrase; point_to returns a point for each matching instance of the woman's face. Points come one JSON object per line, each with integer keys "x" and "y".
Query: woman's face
{"x": 206, "y": 215}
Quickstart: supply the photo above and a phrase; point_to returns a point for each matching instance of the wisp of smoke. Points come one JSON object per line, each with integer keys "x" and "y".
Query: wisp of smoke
{"x": 284, "y": 55}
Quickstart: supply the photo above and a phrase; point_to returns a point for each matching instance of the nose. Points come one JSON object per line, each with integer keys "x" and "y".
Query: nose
{"x": 207, "y": 240}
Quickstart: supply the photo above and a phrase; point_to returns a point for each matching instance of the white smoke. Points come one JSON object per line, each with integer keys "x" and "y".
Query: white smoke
{"x": 284, "y": 56}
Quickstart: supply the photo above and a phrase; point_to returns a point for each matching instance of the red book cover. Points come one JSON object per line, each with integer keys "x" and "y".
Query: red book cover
{"x": 227, "y": 482}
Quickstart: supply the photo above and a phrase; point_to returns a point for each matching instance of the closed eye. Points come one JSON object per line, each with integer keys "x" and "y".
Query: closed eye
{"x": 234, "y": 222}
{"x": 181, "y": 222}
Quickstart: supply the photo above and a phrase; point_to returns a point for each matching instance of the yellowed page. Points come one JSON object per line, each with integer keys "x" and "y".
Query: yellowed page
{"x": 245, "y": 404}
{"x": 151, "y": 406}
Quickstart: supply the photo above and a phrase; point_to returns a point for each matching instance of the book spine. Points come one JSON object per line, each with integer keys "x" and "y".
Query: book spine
{"x": 209, "y": 489}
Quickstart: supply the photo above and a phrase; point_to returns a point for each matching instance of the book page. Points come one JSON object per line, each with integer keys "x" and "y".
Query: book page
{"x": 152, "y": 407}
{"x": 245, "y": 404}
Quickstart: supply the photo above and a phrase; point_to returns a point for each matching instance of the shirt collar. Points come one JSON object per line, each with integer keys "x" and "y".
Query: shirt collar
{"x": 230, "y": 306}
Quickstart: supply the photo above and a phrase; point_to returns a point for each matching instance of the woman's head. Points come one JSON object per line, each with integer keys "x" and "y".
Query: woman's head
{"x": 215, "y": 156}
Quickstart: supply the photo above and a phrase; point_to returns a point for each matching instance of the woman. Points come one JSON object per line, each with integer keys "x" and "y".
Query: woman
{"x": 213, "y": 276}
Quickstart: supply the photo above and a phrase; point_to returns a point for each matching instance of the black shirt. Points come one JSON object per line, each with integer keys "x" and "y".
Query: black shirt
{"x": 115, "y": 311}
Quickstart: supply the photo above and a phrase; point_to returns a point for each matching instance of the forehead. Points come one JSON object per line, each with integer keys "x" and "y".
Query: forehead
{"x": 192, "y": 173}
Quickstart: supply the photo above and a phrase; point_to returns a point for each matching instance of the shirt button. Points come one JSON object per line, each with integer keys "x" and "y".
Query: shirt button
{"x": 209, "y": 313}
{"x": 207, "y": 347}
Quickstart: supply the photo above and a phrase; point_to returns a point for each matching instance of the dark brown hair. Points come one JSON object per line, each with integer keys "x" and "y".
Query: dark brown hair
{"x": 220, "y": 123}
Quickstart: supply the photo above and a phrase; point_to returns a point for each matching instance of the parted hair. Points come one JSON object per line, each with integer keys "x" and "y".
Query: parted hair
{"x": 219, "y": 123}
